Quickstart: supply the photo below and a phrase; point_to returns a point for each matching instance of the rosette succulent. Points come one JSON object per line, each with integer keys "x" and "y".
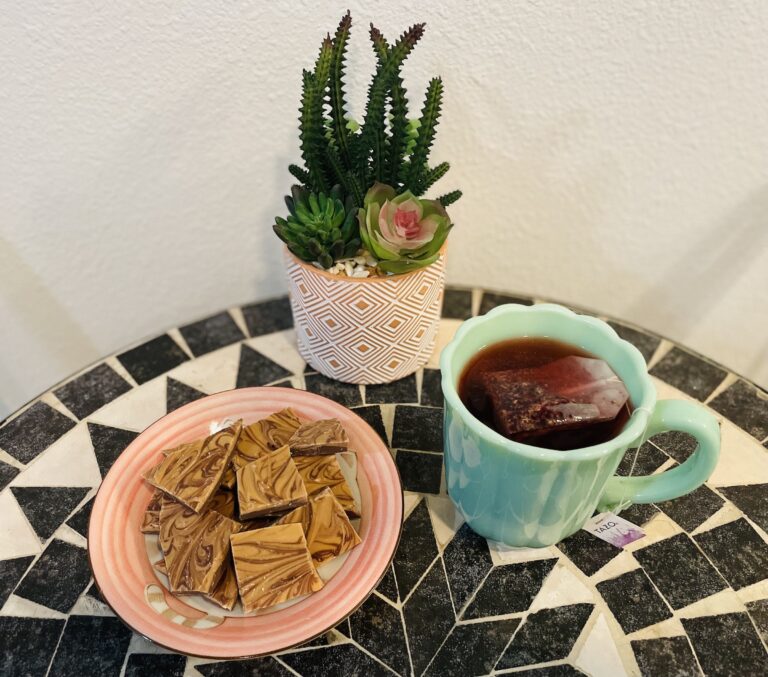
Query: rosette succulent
{"x": 402, "y": 231}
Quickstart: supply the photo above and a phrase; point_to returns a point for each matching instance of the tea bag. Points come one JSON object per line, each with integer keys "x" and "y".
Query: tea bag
{"x": 566, "y": 394}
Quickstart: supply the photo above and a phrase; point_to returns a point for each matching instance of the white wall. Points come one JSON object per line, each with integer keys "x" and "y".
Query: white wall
{"x": 612, "y": 155}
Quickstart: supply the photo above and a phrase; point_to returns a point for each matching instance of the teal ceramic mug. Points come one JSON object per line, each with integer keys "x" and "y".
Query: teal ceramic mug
{"x": 523, "y": 495}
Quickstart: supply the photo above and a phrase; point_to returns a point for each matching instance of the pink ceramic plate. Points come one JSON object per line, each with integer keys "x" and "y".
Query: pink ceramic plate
{"x": 128, "y": 583}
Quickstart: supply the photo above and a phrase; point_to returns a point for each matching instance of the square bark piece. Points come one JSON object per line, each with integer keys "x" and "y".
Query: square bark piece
{"x": 319, "y": 437}
{"x": 273, "y": 565}
{"x": 150, "y": 523}
{"x": 195, "y": 547}
{"x": 319, "y": 472}
{"x": 193, "y": 474}
{"x": 326, "y": 526}
{"x": 270, "y": 485}
{"x": 259, "y": 439}
{"x": 225, "y": 592}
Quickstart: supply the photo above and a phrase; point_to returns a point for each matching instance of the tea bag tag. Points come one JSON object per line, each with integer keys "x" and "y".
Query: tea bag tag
{"x": 613, "y": 529}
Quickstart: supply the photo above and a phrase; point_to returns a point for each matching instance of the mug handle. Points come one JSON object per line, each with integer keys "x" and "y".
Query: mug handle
{"x": 670, "y": 415}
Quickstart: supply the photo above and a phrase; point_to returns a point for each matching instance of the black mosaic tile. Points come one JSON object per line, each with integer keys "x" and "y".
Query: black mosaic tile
{"x": 177, "y": 394}
{"x": 649, "y": 459}
{"x": 633, "y": 601}
{"x": 679, "y": 570}
{"x": 11, "y": 571}
{"x": 752, "y": 500}
{"x": 457, "y": 304}
{"x": 388, "y": 585}
{"x": 417, "y": 549}
{"x": 343, "y": 393}
{"x": 675, "y": 444}
{"x": 640, "y": 513}
{"x": 95, "y": 593}
{"x": 467, "y": 561}
{"x": 431, "y": 388}
{"x": 211, "y": 333}
{"x": 339, "y": 659}
{"x": 378, "y": 627}
{"x": 27, "y": 644}
{"x": 92, "y": 390}
{"x": 79, "y": 521}
{"x": 472, "y": 649}
{"x": 108, "y": 444}
{"x": 428, "y": 617}
{"x": 343, "y": 628}
{"x": 758, "y": 610}
{"x": 372, "y": 416}
{"x": 256, "y": 370}
{"x": 746, "y": 406}
{"x": 58, "y": 577}
{"x": 47, "y": 507}
{"x": 268, "y": 316}
{"x": 420, "y": 471}
{"x": 665, "y": 656}
{"x": 402, "y": 390}
{"x": 321, "y": 640}
{"x": 91, "y": 645}
{"x": 546, "y": 635}
{"x": 419, "y": 428}
{"x": 282, "y": 384}
{"x": 7, "y": 473}
{"x": 490, "y": 300}
{"x": 509, "y": 588}
{"x": 691, "y": 374}
{"x": 692, "y": 510}
{"x": 727, "y": 645}
{"x": 738, "y": 552}
{"x": 309, "y": 369}
{"x": 561, "y": 670}
{"x": 645, "y": 343}
{"x": 588, "y": 553}
{"x": 155, "y": 665}
{"x": 33, "y": 431}
{"x": 252, "y": 667}
{"x": 150, "y": 359}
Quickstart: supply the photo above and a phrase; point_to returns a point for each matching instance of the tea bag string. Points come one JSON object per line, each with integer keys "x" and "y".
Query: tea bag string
{"x": 625, "y": 503}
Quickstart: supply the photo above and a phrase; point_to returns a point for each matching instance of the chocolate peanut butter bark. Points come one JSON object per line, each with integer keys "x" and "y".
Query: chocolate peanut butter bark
{"x": 326, "y": 526}
{"x": 324, "y": 471}
{"x": 319, "y": 437}
{"x": 265, "y": 436}
{"x": 273, "y": 565}
{"x": 270, "y": 485}
{"x": 150, "y": 523}
{"x": 225, "y": 591}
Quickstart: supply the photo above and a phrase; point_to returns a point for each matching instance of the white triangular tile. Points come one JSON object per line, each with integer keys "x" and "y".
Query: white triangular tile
{"x": 137, "y": 409}
{"x": 660, "y": 527}
{"x": 723, "y": 602}
{"x": 598, "y": 655}
{"x": 561, "y": 587}
{"x": 18, "y": 606}
{"x": 727, "y": 513}
{"x": 280, "y": 347}
{"x": 140, "y": 644}
{"x": 505, "y": 554}
{"x": 446, "y": 520}
{"x": 88, "y": 606}
{"x": 410, "y": 499}
{"x": 742, "y": 458}
{"x": 621, "y": 564}
{"x": 672, "y": 627}
{"x": 17, "y": 538}
{"x": 444, "y": 334}
{"x": 69, "y": 535}
{"x": 211, "y": 373}
{"x": 68, "y": 462}
{"x": 754, "y": 592}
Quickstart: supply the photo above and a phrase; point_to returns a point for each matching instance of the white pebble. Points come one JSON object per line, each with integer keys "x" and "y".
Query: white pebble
{"x": 360, "y": 272}
{"x": 348, "y": 268}
{"x": 359, "y": 260}
{"x": 370, "y": 261}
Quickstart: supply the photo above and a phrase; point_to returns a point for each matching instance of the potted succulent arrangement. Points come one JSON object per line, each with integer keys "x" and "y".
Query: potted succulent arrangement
{"x": 365, "y": 251}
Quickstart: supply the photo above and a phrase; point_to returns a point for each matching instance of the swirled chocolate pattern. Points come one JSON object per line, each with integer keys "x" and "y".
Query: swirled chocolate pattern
{"x": 229, "y": 479}
{"x": 160, "y": 567}
{"x": 260, "y": 438}
{"x": 225, "y": 592}
{"x": 150, "y": 523}
{"x": 193, "y": 474}
{"x": 324, "y": 471}
{"x": 319, "y": 437}
{"x": 223, "y": 502}
{"x": 270, "y": 485}
{"x": 273, "y": 565}
{"x": 326, "y": 526}
{"x": 195, "y": 547}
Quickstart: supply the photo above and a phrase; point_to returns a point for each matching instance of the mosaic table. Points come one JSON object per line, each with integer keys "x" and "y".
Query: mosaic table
{"x": 689, "y": 598}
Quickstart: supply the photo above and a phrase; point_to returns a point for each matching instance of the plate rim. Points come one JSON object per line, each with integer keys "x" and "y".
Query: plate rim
{"x": 365, "y": 597}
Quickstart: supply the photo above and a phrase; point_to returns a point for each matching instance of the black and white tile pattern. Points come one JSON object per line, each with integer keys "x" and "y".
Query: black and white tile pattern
{"x": 689, "y": 599}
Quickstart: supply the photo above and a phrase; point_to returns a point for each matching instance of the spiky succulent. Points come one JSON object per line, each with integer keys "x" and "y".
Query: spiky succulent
{"x": 320, "y": 228}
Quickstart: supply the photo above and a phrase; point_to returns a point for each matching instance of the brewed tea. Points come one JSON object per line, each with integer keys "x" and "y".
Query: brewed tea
{"x": 545, "y": 393}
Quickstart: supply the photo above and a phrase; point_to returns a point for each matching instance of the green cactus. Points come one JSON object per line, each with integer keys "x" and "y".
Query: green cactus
{"x": 320, "y": 228}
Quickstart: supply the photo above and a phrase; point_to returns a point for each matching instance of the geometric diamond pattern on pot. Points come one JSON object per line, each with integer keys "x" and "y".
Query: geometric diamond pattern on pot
{"x": 472, "y": 649}
{"x": 546, "y": 635}
{"x": 509, "y": 588}
{"x": 633, "y": 601}
{"x": 417, "y": 549}
{"x": 467, "y": 561}
{"x": 177, "y": 394}
{"x": 738, "y": 551}
{"x": 108, "y": 444}
{"x": 378, "y": 627}
{"x": 47, "y": 507}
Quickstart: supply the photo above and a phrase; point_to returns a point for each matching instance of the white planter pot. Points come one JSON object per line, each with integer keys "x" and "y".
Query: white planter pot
{"x": 370, "y": 330}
